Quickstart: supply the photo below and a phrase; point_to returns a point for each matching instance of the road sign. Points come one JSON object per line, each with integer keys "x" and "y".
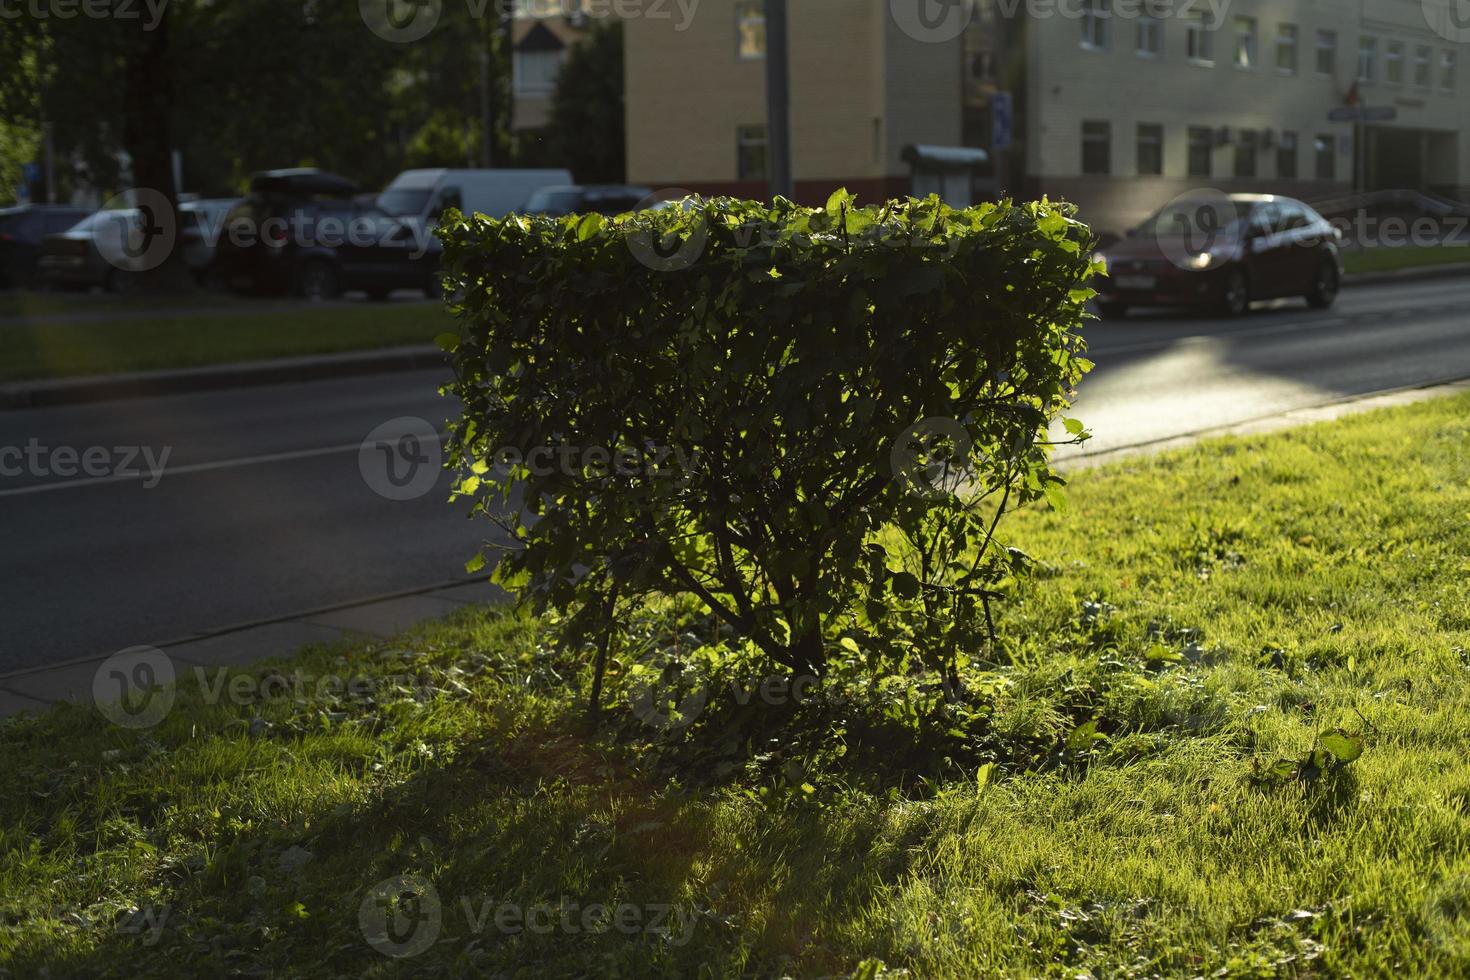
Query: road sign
{"x": 1000, "y": 121}
{"x": 1363, "y": 113}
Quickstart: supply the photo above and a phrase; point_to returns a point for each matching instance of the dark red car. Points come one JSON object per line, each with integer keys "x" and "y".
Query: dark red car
{"x": 1222, "y": 252}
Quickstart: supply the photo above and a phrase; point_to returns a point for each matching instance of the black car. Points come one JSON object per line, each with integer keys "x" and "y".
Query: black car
{"x": 1222, "y": 252}
{"x": 302, "y": 232}
{"x": 22, "y": 230}
{"x": 608, "y": 199}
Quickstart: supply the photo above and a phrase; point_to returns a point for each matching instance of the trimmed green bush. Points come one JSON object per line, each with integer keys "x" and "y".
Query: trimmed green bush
{"x": 811, "y": 419}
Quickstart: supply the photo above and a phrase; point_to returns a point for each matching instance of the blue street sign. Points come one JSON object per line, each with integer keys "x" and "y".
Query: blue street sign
{"x": 30, "y": 172}
{"x": 1000, "y": 121}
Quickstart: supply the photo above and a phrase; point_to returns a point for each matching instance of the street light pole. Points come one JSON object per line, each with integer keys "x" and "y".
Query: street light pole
{"x": 778, "y": 100}
{"x": 487, "y": 111}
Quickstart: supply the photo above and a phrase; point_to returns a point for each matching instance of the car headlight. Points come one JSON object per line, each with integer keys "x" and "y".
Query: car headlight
{"x": 1201, "y": 261}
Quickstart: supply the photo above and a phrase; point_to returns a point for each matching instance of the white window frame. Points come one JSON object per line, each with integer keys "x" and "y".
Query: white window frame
{"x": 1105, "y": 137}
{"x": 749, "y": 11}
{"x": 1150, "y": 141}
{"x": 533, "y": 83}
{"x": 1150, "y": 37}
{"x": 1423, "y": 67}
{"x": 1449, "y": 72}
{"x": 1326, "y": 43}
{"x": 1288, "y": 41}
{"x": 1393, "y": 56}
{"x": 1367, "y": 59}
{"x": 1246, "y": 35}
{"x": 1199, "y": 34}
{"x": 1094, "y": 23}
{"x": 1331, "y": 147}
{"x": 1288, "y": 143}
{"x": 1190, "y": 145}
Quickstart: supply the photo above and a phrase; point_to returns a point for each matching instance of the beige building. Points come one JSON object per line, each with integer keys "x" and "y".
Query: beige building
{"x": 541, "y": 34}
{"x": 862, "y": 91}
{"x": 1113, "y": 109}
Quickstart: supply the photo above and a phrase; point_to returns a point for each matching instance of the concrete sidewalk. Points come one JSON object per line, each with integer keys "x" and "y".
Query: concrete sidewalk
{"x": 383, "y": 618}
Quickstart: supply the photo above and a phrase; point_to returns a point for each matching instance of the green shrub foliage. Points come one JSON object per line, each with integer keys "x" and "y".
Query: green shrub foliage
{"x": 811, "y": 419}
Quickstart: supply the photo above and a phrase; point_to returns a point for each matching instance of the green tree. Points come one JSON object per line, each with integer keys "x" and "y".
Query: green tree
{"x": 587, "y": 109}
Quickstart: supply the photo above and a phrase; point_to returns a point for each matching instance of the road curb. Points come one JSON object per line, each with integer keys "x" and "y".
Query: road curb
{"x": 1450, "y": 270}
{"x": 144, "y": 384}
{"x": 26, "y": 689}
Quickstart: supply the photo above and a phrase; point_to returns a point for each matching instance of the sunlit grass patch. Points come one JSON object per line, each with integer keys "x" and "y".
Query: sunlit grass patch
{"x": 1142, "y": 781}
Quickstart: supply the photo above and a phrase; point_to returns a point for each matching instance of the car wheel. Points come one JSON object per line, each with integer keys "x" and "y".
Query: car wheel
{"x": 1325, "y": 286}
{"x": 1235, "y": 297}
{"x": 317, "y": 281}
{"x": 1112, "y": 311}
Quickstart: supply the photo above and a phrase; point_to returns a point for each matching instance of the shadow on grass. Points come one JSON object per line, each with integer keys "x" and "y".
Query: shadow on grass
{"x": 543, "y": 855}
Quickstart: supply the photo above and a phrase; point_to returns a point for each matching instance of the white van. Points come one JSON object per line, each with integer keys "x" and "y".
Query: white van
{"x": 425, "y": 194}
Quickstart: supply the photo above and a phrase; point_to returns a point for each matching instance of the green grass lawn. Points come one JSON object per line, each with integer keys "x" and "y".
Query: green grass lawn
{"x": 1128, "y": 789}
{"x": 145, "y": 333}
{"x": 1392, "y": 259}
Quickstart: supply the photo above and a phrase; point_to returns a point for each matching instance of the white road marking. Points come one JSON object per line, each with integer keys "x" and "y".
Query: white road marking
{"x": 223, "y": 464}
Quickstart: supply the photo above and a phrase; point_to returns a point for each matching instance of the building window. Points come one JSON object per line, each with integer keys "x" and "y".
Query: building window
{"x": 535, "y": 72}
{"x": 1368, "y": 59}
{"x": 1201, "y": 150}
{"x": 1286, "y": 156}
{"x": 1286, "y": 36}
{"x": 1095, "y": 15}
{"x": 1097, "y": 147}
{"x": 1150, "y": 149}
{"x": 1245, "y": 153}
{"x": 1393, "y": 63}
{"x": 1326, "y": 150}
{"x": 1245, "y": 42}
{"x": 750, "y": 30}
{"x": 1327, "y": 52}
{"x": 1199, "y": 38}
{"x": 750, "y": 143}
{"x": 1447, "y": 71}
{"x": 1150, "y": 37}
{"x": 1423, "y": 60}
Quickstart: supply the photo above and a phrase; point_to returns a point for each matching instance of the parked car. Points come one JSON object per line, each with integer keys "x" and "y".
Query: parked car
{"x": 1223, "y": 252}
{"x": 77, "y": 258}
{"x": 423, "y": 195}
{"x": 599, "y": 198}
{"x": 22, "y": 229}
{"x": 201, "y": 223}
{"x": 302, "y": 232}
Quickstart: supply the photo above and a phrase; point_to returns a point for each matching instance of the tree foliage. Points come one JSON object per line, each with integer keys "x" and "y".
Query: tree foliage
{"x": 586, "y": 125}
{"x": 809, "y": 419}
{"x": 250, "y": 85}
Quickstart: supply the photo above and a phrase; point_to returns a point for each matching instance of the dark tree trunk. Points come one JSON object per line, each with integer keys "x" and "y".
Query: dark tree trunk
{"x": 148, "y": 135}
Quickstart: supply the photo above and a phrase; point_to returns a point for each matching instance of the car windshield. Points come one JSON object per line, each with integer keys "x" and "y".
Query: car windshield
{"x": 1189, "y": 217}
{"x": 554, "y": 202}
{"x": 401, "y": 201}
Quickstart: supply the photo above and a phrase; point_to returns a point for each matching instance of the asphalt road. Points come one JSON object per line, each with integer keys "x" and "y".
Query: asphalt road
{"x": 263, "y": 509}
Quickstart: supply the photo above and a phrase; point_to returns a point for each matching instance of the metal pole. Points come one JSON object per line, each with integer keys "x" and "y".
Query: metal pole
{"x": 487, "y": 112}
{"x": 50, "y": 151}
{"x": 778, "y": 100}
